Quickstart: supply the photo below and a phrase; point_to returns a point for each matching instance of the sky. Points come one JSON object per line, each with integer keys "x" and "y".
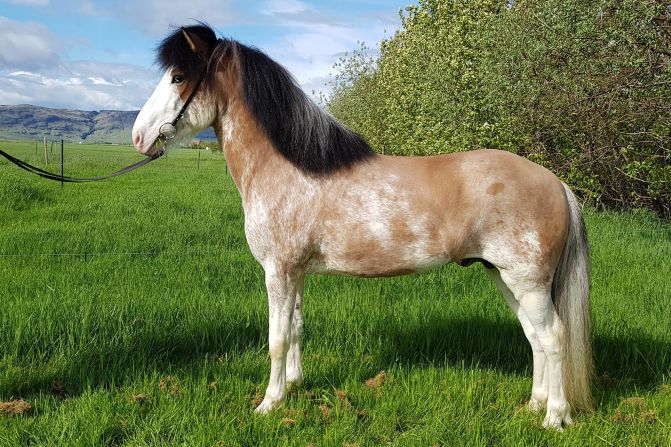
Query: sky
{"x": 99, "y": 55}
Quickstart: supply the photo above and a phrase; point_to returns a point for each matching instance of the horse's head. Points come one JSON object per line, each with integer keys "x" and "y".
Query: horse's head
{"x": 180, "y": 107}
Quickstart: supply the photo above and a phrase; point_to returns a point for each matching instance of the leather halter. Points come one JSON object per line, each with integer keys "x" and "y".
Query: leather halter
{"x": 168, "y": 131}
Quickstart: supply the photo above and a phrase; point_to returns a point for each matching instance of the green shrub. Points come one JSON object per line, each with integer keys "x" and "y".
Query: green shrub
{"x": 583, "y": 88}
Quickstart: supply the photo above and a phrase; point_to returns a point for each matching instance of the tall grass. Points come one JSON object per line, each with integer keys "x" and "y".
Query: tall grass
{"x": 131, "y": 313}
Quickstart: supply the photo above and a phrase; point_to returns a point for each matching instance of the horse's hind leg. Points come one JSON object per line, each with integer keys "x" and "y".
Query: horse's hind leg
{"x": 294, "y": 368}
{"x": 539, "y": 389}
{"x": 281, "y": 285}
{"x": 535, "y": 300}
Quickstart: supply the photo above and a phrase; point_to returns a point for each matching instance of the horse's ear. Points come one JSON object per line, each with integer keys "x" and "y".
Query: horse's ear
{"x": 197, "y": 45}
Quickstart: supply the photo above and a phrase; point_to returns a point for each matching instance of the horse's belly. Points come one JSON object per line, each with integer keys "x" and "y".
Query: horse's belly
{"x": 368, "y": 260}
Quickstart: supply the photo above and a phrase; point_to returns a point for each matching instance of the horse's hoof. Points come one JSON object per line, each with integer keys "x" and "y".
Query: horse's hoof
{"x": 558, "y": 417}
{"x": 535, "y": 405}
{"x": 267, "y": 406}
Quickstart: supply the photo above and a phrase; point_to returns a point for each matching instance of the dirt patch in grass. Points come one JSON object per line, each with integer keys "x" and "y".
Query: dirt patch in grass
{"x": 15, "y": 407}
{"x": 140, "y": 398}
{"x": 289, "y": 422}
{"x": 377, "y": 381}
{"x": 342, "y": 397}
{"x": 170, "y": 385}
{"x": 256, "y": 400}
{"x": 634, "y": 410}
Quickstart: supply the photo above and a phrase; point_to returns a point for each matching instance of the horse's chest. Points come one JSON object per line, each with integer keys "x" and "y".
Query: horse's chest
{"x": 258, "y": 231}
{"x": 274, "y": 233}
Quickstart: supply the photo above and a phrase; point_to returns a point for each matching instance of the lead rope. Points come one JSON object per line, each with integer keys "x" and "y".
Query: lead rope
{"x": 64, "y": 178}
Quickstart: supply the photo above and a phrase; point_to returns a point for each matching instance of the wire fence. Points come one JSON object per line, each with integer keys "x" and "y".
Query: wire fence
{"x": 91, "y": 255}
{"x": 662, "y": 232}
{"x": 59, "y": 155}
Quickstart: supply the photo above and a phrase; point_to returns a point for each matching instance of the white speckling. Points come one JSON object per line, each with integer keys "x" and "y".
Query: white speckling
{"x": 227, "y": 126}
{"x": 375, "y": 215}
{"x": 531, "y": 240}
{"x": 417, "y": 251}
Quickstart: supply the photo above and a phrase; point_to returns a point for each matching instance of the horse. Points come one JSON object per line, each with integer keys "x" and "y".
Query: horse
{"x": 318, "y": 200}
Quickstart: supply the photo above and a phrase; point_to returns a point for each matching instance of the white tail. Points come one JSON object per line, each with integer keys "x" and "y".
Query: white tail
{"x": 570, "y": 294}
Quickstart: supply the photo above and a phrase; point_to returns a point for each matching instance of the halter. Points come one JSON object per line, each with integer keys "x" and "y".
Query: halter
{"x": 168, "y": 131}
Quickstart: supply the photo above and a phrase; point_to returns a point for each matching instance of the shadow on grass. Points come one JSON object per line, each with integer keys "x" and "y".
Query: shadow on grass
{"x": 623, "y": 364}
{"x": 155, "y": 350}
{"x": 503, "y": 347}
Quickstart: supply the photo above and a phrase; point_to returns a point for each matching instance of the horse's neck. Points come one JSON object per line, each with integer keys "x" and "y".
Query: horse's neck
{"x": 254, "y": 164}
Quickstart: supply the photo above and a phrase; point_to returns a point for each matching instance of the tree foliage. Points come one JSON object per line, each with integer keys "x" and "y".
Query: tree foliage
{"x": 583, "y": 88}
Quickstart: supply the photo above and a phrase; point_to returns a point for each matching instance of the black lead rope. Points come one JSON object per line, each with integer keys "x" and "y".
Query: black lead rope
{"x": 64, "y": 178}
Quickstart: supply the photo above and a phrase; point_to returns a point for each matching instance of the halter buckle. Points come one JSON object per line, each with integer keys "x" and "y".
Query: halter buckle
{"x": 167, "y": 132}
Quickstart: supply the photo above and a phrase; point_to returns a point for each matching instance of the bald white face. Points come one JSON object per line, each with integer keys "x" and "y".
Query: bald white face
{"x": 164, "y": 105}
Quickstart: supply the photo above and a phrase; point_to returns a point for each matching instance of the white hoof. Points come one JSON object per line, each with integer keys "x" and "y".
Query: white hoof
{"x": 558, "y": 417}
{"x": 267, "y": 406}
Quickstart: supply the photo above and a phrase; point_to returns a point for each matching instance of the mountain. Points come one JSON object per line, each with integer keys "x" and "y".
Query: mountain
{"x": 26, "y": 122}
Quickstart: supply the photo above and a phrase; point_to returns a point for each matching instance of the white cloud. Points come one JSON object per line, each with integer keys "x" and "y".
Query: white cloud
{"x": 315, "y": 40}
{"x": 27, "y": 45}
{"x": 157, "y": 16}
{"x": 81, "y": 85}
{"x": 284, "y": 7}
{"x": 102, "y": 81}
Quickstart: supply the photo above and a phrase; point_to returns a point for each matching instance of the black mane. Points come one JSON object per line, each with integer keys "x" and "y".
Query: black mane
{"x": 304, "y": 134}
{"x": 307, "y": 136}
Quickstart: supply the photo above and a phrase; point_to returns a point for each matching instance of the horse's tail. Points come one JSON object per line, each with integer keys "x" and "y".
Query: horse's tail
{"x": 570, "y": 294}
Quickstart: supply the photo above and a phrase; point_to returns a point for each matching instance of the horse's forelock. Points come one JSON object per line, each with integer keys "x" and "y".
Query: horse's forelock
{"x": 174, "y": 50}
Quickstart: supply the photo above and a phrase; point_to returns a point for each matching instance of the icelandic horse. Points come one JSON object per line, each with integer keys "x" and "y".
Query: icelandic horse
{"x": 317, "y": 199}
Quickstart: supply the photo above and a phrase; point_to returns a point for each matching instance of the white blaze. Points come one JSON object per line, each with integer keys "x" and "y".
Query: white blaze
{"x": 162, "y": 107}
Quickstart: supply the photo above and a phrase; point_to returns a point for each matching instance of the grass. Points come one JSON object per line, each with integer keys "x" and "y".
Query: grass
{"x": 149, "y": 327}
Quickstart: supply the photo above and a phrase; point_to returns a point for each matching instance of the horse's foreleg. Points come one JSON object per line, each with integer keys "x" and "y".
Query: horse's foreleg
{"x": 281, "y": 286}
{"x": 294, "y": 368}
{"x": 539, "y": 389}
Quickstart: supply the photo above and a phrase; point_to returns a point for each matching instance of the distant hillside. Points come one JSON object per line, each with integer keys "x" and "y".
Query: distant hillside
{"x": 26, "y": 122}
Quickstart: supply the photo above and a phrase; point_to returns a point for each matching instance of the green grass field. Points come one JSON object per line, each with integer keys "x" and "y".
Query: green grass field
{"x": 132, "y": 313}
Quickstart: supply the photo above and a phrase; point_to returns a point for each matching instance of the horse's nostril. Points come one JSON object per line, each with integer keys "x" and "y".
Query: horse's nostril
{"x": 137, "y": 139}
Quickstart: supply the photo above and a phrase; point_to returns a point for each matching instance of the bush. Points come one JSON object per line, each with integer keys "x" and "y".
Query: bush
{"x": 583, "y": 88}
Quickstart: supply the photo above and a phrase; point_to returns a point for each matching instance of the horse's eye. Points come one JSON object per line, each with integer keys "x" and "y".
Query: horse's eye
{"x": 177, "y": 79}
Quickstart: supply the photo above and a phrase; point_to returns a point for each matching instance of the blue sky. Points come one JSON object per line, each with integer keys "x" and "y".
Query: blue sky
{"x": 94, "y": 54}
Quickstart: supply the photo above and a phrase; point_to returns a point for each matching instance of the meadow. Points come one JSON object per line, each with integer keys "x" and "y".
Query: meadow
{"x": 133, "y": 314}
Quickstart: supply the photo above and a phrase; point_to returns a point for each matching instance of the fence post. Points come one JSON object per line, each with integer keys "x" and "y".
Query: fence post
{"x": 62, "y": 165}
{"x": 46, "y": 154}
